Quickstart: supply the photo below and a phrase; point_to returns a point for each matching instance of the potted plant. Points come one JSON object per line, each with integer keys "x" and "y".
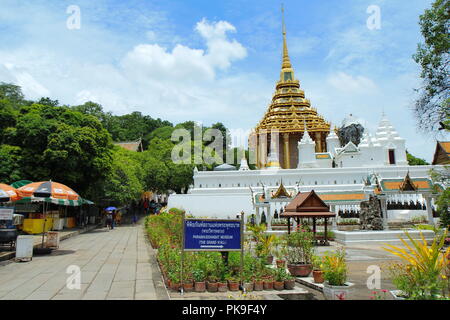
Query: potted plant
{"x": 300, "y": 249}
{"x": 317, "y": 270}
{"x": 222, "y": 284}
{"x": 336, "y": 286}
{"x": 279, "y": 279}
{"x": 233, "y": 282}
{"x": 280, "y": 253}
{"x": 212, "y": 285}
{"x": 188, "y": 285}
{"x": 174, "y": 278}
{"x": 425, "y": 271}
{"x": 199, "y": 280}
{"x": 258, "y": 283}
{"x": 248, "y": 282}
{"x": 268, "y": 279}
{"x": 289, "y": 282}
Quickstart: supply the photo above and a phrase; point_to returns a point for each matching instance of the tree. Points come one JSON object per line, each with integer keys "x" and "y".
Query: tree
{"x": 443, "y": 206}
{"x": 11, "y": 92}
{"x": 432, "y": 108}
{"x": 155, "y": 172}
{"x": 225, "y": 136}
{"x": 61, "y": 144}
{"x": 8, "y": 117}
{"x": 48, "y": 102}
{"x": 181, "y": 177}
{"x": 413, "y": 161}
{"x": 124, "y": 183}
{"x": 10, "y": 169}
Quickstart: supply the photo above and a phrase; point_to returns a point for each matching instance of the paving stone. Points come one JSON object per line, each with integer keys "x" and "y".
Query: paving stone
{"x": 95, "y": 295}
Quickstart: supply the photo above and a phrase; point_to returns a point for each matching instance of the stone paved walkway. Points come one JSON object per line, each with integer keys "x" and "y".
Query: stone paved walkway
{"x": 115, "y": 264}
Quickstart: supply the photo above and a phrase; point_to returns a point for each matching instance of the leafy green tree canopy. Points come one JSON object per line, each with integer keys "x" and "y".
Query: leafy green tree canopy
{"x": 432, "y": 109}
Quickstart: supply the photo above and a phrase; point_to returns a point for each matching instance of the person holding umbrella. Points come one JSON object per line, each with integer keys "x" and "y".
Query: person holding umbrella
{"x": 110, "y": 217}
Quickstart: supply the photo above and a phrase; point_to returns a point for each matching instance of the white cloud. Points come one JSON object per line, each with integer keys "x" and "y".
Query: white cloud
{"x": 352, "y": 84}
{"x": 221, "y": 51}
{"x": 30, "y": 87}
{"x": 177, "y": 84}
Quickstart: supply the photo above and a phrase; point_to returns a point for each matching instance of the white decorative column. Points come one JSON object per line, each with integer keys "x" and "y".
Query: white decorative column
{"x": 334, "y": 220}
{"x": 384, "y": 212}
{"x": 269, "y": 218}
{"x": 258, "y": 216}
{"x": 429, "y": 210}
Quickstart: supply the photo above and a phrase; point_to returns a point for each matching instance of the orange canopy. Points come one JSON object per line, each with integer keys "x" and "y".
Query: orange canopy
{"x": 8, "y": 193}
{"x": 48, "y": 189}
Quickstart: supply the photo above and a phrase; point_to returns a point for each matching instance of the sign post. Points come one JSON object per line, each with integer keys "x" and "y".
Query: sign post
{"x": 212, "y": 235}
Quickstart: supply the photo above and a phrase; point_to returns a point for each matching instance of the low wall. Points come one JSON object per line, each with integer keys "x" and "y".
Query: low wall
{"x": 379, "y": 237}
{"x": 223, "y": 206}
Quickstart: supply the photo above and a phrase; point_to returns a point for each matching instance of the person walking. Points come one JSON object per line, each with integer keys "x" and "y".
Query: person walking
{"x": 113, "y": 218}
{"x": 118, "y": 218}
{"x": 109, "y": 220}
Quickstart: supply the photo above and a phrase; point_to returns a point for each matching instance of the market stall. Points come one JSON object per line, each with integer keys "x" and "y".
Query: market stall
{"x": 49, "y": 194}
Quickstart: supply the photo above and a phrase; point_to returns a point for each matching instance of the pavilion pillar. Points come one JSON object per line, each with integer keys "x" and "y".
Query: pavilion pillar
{"x": 334, "y": 221}
{"x": 269, "y": 218}
{"x": 258, "y": 216}
{"x": 314, "y": 226}
{"x": 294, "y": 224}
{"x": 289, "y": 225}
{"x": 287, "y": 154}
{"x": 429, "y": 210}
{"x": 383, "y": 203}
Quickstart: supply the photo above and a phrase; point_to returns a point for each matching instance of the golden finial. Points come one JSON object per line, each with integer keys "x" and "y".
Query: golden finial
{"x": 286, "y": 60}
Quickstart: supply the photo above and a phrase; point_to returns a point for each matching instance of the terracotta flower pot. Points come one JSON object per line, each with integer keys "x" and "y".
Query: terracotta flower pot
{"x": 248, "y": 286}
{"x": 200, "y": 286}
{"x": 212, "y": 286}
{"x": 289, "y": 284}
{"x": 233, "y": 285}
{"x": 258, "y": 286}
{"x": 188, "y": 286}
{"x": 222, "y": 287}
{"x": 268, "y": 284}
{"x": 281, "y": 264}
{"x": 278, "y": 285}
{"x": 175, "y": 286}
{"x": 318, "y": 276}
{"x": 300, "y": 270}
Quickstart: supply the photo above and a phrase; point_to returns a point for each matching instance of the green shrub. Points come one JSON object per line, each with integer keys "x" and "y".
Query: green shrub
{"x": 335, "y": 268}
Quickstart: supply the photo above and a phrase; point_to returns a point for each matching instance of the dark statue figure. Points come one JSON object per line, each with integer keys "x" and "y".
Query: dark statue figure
{"x": 353, "y": 132}
{"x": 371, "y": 217}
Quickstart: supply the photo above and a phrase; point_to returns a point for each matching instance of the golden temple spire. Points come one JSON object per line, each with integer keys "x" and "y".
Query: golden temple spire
{"x": 287, "y": 73}
{"x": 286, "y": 60}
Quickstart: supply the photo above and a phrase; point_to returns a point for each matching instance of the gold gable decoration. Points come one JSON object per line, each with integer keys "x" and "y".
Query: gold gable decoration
{"x": 281, "y": 193}
{"x": 408, "y": 184}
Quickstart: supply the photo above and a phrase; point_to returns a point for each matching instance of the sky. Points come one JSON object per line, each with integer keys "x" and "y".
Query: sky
{"x": 212, "y": 61}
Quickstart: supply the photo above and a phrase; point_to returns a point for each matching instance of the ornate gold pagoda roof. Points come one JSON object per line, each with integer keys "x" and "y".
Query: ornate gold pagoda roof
{"x": 281, "y": 192}
{"x": 289, "y": 108}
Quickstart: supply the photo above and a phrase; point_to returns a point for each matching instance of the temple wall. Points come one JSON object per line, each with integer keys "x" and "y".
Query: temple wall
{"x": 214, "y": 205}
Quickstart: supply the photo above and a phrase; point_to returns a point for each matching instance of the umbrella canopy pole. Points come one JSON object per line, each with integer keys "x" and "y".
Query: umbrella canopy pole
{"x": 45, "y": 220}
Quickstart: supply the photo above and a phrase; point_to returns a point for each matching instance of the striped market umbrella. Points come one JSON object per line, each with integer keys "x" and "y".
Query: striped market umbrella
{"x": 48, "y": 189}
{"x": 49, "y": 192}
{"x": 8, "y": 193}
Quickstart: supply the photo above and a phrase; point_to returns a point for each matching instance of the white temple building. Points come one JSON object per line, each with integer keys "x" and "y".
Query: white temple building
{"x": 306, "y": 154}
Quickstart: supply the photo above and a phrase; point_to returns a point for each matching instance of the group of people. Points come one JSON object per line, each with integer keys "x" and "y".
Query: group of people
{"x": 135, "y": 208}
{"x": 112, "y": 218}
